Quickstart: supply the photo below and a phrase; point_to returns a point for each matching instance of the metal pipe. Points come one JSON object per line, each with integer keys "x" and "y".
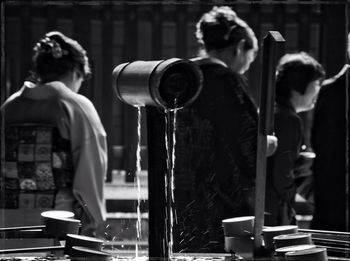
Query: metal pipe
{"x": 168, "y": 84}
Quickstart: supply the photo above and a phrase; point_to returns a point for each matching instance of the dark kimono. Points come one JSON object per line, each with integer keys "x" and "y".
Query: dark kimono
{"x": 215, "y": 160}
{"x": 329, "y": 143}
{"x": 280, "y": 183}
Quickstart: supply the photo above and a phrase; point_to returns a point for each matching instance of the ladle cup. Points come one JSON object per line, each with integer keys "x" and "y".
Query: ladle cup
{"x": 80, "y": 253}
{"x": 55, "y": 224}
{"x": 72, "y": 240}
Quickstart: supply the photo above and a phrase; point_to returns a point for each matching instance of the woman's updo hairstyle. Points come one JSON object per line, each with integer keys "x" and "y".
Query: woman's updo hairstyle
{"x": 221, "y": 27}
{"x": 56, "y": 54}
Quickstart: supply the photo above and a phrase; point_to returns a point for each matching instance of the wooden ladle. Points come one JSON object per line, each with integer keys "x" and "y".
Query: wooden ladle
{"x": 55, "y": 224}
{"x": 72, "y": 240}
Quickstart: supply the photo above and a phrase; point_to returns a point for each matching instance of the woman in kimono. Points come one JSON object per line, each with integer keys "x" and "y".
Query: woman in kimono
{"x": 55, "y": 144}
{"x": 215, "y": 164}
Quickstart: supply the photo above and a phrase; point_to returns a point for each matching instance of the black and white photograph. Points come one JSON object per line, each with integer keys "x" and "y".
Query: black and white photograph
{"x": 174, "y": 130}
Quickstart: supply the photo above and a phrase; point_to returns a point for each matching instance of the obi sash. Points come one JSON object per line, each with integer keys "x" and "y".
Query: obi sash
{"x": 38, "y": 162}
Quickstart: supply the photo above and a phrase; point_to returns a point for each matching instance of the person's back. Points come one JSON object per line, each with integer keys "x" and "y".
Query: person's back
{"x": 208, "y": 179}
{"x": 216, "y": 137}
{"x": 329, "y": 143}
{"x": 70, "y": 163}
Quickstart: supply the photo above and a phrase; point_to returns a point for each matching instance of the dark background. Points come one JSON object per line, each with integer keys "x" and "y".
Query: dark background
{"x": 114, "y": 32}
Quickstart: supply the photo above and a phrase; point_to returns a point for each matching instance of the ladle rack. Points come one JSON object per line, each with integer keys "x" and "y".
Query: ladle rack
{"x": 77, "y": 247}
{"x": 336, "y": 242}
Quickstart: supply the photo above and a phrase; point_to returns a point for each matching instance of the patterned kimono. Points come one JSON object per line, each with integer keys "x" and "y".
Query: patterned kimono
{"x": 55, "y": 154}
{"x": 215, "y": 160}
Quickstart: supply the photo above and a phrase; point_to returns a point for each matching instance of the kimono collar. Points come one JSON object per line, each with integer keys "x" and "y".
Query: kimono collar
{"x": 42, "y": 91}
{"x": 209, "y": 60}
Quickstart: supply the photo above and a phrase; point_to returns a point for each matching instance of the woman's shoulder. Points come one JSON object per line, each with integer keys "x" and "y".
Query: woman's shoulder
{"x": 286, "y": 115}
{"x": 82, "y": 101}
{"x": 211, "y": 65}
{"x": 12, "y": 98}
{"x": 220, "y": 74}
{"x": 83, "y": 105}
{"x": 84, "y": 114}
{"x": 76, "y": 104}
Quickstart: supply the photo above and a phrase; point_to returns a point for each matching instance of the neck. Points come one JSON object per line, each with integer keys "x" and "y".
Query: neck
{"x": 68, "y": 80}
{"x": 222, "y": 55}
{"x": 295, "y": 102}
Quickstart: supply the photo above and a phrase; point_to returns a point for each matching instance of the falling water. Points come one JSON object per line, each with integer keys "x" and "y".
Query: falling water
{"x": 170, "y": 142}
{"x": 138, "y": 172}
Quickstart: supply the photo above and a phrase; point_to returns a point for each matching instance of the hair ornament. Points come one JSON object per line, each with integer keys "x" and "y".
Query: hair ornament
{"x": 48, "y": 45}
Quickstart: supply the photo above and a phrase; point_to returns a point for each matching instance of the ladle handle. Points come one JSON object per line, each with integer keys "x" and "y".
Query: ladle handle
{"x": 331, "y": 232}
{"x": 8, "y": 229}
{"x": 31, "y": 249}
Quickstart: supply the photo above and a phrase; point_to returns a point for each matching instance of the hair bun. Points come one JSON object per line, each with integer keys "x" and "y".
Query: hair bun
{"x": 50, "y": 46}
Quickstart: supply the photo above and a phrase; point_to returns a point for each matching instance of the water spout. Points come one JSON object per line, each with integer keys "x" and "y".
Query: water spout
{"x": 168, "y": 85}
{"x": 158, "y": 83}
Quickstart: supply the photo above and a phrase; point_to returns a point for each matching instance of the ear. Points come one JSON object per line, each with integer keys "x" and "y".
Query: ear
{"x": 77, "y": 74}
{"x": 240, "y": 45}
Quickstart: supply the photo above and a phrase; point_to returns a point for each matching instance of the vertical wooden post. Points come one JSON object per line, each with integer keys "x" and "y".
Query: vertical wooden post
{"x": 81, "y": 18}
{"x": 2, "y": 60}
{"x": 130, "y": 112}
{"x": 51, "y": 18}
{"x": 107, "y": 104}
{"x": 181, "y": 29}
{"x": 157, "y": 169}
{"x": 26, "y": 36}
{"x": 333, "y": 38}
{"x": 255, "y": 19}
{"x": 347, "y": 175}
{"x": 304, "y": 25}
{"x": 272, "y": 43}
{"x": 2, "y": 122}
{"x": 157, "y": 37}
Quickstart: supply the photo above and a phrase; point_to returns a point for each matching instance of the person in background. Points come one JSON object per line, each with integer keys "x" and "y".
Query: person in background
{"x": 330, "y": 141}
{"x": 298, "y": 81}
{"x": 215, "y": 164}
{"x": 55, "y": 144}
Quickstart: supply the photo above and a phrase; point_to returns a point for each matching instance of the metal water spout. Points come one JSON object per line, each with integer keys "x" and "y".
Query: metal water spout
{"x": 169, "y": 84}
{"x": 160, "y": 86}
